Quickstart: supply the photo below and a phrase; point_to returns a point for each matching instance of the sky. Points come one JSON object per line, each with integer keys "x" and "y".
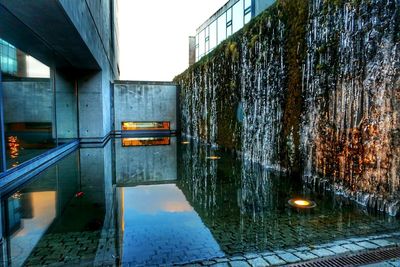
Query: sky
{"x": 154, "y": 36}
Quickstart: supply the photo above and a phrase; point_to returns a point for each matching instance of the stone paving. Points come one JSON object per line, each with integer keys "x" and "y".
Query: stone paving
{"x": 306, "y": 253}
{"x": 65, "y": 249}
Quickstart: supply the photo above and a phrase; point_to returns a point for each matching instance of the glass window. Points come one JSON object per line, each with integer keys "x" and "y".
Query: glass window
{"x": 228, "y": 22}
{"x": 247, "y": 11}
{"x": 213, "y": 35}
{"x": 247, "y": 18}
{"x": 229, "y": 15}
{"x": 221, "y": 22}
{"x": 202, "y": 43}
{"x": 33, "y": 123}
{"x": 238, "y": 13}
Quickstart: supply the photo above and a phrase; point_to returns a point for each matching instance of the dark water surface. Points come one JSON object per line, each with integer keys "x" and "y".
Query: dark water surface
{"x": 167, "y": 204}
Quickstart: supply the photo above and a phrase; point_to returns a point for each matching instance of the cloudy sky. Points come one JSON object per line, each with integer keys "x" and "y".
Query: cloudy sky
{"x": 153, "y": 35}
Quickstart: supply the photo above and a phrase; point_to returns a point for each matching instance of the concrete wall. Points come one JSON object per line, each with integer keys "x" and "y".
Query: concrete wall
{"x": 72, "y": 37}
{"x": 66, "y": 106}
{"x": 32, "y": 100}
{"x": 95, "y": 22}
{"x": 145, "y": 101}
{"x": 28, "y": 101}
{"x": 138, "y": 165}
{"x": 192, "y": 50}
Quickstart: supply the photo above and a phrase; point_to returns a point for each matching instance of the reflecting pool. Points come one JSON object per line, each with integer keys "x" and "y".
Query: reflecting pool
{"x": 166, "y": 204}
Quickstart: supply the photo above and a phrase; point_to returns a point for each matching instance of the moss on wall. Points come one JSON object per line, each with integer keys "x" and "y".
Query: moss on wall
{"x": 317, "y": 84}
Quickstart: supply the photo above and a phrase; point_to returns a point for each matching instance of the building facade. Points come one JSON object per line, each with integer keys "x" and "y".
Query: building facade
{"x": 58, "y": 62}
{"x": 226, "y": 21}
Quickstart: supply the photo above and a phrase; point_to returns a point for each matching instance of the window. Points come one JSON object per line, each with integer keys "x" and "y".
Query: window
{"x": 40, "y": 112}
{"x": 247, "y": 11}
{"x": 145, "y": 125}
{"x": 228, "y": 22}
{"x": 221, "y": 23}
{"x": 202, "y": 46}
{"x": 238, "y": 13}
{"x": 213, "y": 35}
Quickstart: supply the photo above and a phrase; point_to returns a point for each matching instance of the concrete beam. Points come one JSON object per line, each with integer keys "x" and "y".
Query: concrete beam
{"x": 42, "y": 29}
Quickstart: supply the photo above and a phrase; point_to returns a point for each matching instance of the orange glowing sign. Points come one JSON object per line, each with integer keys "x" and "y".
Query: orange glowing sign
{"x": 146, "y": 141}
{"x": 153, "y": 126}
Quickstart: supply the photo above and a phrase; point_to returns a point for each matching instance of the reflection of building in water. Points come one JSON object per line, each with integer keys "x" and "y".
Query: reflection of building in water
{"x": 146, "y": 141}
{"x": 14, "y": 214}
{"x": 30, "y": 214}
{"x": 161, "y": 215}
{"x": 137, "y": 164}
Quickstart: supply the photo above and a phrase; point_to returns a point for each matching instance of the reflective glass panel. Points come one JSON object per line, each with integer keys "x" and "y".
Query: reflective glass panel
{"x": 238, "y": 13}
{"x": 202, "y": 46}
{"x": 221, "y": 28}
{"x": 213, "y": 35}
{"x": 28, "y": 105}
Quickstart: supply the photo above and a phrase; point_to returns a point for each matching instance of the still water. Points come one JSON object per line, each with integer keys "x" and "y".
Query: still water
{"x": 131, "y": 202}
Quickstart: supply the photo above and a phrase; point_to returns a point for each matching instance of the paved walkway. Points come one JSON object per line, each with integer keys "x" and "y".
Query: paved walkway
{"x": 306, "y": 253}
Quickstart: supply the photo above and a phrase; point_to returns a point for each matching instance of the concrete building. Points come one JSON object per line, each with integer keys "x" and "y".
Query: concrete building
{"x": 77, "y": 43}
{"x": 226, "y": 21}
{"x": 77, "y": 40}
{"x": 59, "y": 83}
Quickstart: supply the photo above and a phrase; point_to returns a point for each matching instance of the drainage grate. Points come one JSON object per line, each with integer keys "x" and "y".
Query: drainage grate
{"x": 354, "y": 260}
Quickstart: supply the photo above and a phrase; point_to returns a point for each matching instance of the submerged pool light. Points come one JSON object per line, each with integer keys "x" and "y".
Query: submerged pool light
{"x": 185, "y": 142}
{"x": 302, "y": 203}
{"x": 213, "y": 157}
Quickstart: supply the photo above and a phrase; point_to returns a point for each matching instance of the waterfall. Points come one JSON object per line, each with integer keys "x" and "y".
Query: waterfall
{"x": 312, "y": 86}
{"x": 350, "y": 82}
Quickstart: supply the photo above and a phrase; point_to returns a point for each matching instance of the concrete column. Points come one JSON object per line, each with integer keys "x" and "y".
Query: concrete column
{"x": 66, "y": 105}
{"x": 192, "y": 50}
{"x": 94, "y": 106}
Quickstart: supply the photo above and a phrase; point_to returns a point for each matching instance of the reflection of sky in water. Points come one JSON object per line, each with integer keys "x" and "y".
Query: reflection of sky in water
{"x": 160, "y": 226}
{"x": 25, "y": 239}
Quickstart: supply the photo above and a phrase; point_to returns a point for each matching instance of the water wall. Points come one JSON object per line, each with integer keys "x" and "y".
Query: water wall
{"x": 311, "y": 88}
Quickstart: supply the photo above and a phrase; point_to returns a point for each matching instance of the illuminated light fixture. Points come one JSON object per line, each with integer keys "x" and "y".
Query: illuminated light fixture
{"x": 185, "y": 142}
{"x": 213, "y": 157}
{"x": 143, "y": 125}
{"x": 302, "y": 203}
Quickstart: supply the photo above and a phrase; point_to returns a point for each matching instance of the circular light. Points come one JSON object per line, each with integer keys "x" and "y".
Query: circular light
{"x": 185, "y": 142}
{"x": 213, "y": 157}
{"x": 302, "y": 203}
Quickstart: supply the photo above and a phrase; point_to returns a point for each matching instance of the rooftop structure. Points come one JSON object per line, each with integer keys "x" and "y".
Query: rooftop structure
{"x": 226, "y": 21}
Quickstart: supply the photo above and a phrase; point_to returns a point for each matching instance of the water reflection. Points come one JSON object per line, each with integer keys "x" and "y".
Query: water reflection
{"x": 166, "y": 205}
{"x": 31, "y": 214}
{"x": 146, "y": 141}
{"x": 145, "y": 164}
{"x": 246, "y": 207}
{"x": 159, "y": 226}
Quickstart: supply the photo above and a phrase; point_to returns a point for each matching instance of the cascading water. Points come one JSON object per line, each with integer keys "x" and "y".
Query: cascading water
{"x": 350, "y": 82}
{"x": 308, "y": 85}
